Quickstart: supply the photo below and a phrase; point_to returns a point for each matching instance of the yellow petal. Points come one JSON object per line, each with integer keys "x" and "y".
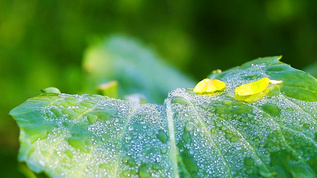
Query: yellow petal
{"x": 253, "y": 88}
{"x": 252, "y": 98}
{"x": 220, "y": 85}
{"x": 201, "y": 86}
{"x": 209, "y": 86}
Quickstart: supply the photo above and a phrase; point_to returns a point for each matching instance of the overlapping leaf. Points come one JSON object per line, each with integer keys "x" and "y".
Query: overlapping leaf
{"x": 189, "y": 135}
{"x": 137, "y": 68}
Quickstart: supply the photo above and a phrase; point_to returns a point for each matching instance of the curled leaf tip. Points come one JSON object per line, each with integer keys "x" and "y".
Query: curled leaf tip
{"x": 280, "y": 57}
{"x": 208, "y": 86}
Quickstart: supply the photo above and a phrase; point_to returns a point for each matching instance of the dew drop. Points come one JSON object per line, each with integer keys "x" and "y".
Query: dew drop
{"x": 42, "y": 163}
{"x": 272, "y": 109}
{"x": 189, "y": 127}
{"x": 162, "y": 136}
{"x": 57, "y": 112}
{"x": 130, "y": 128}
{"x": 92, "y": 118}
{"x": 163, "y": 151}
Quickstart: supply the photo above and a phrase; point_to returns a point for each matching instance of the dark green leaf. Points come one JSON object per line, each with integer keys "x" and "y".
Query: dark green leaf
{"x": 312, "y": 69}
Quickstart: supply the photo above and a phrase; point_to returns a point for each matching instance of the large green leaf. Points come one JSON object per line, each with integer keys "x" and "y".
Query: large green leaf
{"x": 189, "y": 135}
{"x": 136, "y": 68}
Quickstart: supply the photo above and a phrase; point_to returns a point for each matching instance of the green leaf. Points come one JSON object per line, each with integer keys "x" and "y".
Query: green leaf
{"x": 190, "y": 135}
{"x": 136, "y": 68}
{"x": 312, "y": 69}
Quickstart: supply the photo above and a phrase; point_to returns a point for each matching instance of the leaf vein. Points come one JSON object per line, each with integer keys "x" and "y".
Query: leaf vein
{"x": 295, "y": 104}
{"x": 122, "y": 136}
{"x": 170, "y": 123}
{"x": 208, "y": 133}
{"x": 253, "y": 148}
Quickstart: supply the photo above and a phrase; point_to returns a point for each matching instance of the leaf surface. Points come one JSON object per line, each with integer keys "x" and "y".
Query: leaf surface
{"x": 190, "y": 135}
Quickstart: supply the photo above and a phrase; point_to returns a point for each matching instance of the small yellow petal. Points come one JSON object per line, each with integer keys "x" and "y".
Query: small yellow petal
{"x": 253, "y": 88}
{"x": 209, "y": 86}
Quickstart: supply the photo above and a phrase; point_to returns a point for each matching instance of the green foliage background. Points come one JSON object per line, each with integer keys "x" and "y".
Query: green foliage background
{"x": 42, "y": 43}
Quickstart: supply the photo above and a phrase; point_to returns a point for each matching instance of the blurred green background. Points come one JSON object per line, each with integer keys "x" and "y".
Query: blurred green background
{"x": 42, "y": 43}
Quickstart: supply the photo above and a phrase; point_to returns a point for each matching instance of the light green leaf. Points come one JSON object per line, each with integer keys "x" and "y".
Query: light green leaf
{"x": 190, "y": 135}
{"x": 136, "y": 68}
